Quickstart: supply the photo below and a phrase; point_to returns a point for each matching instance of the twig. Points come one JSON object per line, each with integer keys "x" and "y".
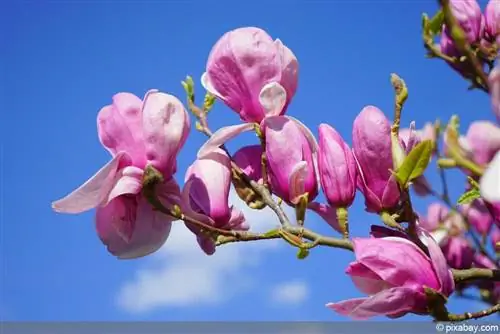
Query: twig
{"x": 474, "y": 315}
{"x": 466, "y": 275}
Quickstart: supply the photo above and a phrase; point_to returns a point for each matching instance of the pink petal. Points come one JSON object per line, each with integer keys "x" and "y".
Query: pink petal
{"x": 387, "y": 302}
{"x": 120, "y": 127}
{"x": 207, "y": 84}
{"x": 366, "y": 280}
{"x": 297, "y": 181}
{"x": 94, "y": 191}
{"x": 396, "y": 260}
{"x": 237, "y": 220}
{"x": 129, "y": 182}
{"x": 327, "y": 213}
{"x": 210, "y": 183}
{"x": 221, "y": 136}
{"x": 439, "y": 263}
{"x": 131, "y": 228}
{"x": 166, "y": 126}
{"x": 272, "y": 97}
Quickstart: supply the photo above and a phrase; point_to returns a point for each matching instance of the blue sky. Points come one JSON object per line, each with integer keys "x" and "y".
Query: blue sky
{"x": 63, "y": 61}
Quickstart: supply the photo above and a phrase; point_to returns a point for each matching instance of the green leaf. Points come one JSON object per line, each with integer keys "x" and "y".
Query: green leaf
{"x": 302, "y": 253}
{"x": 436, "y": 23}
{"x": 415, "y": 163}
{"x": 469, "y": 196}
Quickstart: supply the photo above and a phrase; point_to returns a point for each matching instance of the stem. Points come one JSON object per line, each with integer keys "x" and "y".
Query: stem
{"x": 343, "y": 219}
{"x": 458, "y": 37}
{"x": 474, "y": 315}
{"x": 472, "y": 274}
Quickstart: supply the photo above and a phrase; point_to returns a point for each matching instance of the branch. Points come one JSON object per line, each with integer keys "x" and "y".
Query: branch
{"x": 474, "y": 315}
{"x": 465, "y": 275}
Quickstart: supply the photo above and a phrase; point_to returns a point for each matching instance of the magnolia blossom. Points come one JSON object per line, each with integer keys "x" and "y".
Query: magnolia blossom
{"x": 371, "y": 145}
{"x": 137, "y": 134}
{"x": 337, "y": 168}
{"x": 492, "y": 21}
{"x": 206, "y": 198}
{"x": 448, "y": 230}
{"x": 291, "y": 164}
{"x": 483, "y": 141}
{"x": 393, "y": 272}
{"x": 249, "y": 159}
{"x": 246, "y": 65}
{"x": 478, "y": 215}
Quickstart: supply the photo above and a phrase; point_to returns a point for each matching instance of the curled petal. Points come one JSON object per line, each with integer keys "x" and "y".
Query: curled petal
{"x": 94, "y": 191}
{"x": 129, "y": 182}
{"x": 221, "y": 136}
{"x": 438, "y": 262}
{"x": 297, "y": 181}
{"x": 207, "y": 84}
{"x": 272, "y": 97}
{"x": 365, "y": 280}
{"x": 387, "y": 302}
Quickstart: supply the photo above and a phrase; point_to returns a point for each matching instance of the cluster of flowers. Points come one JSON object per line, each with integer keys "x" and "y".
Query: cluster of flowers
{"x": 257, "y": 77}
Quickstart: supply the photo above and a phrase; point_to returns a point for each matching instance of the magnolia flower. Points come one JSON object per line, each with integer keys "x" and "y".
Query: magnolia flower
{"x": 136, "y": 134}
{"x": 206, "y": 197}
{"x": 448, "y": 230}
{"x": 246, "y": 65}
{"x": 371, "y": 145}
{"x": 492, "y": 21}
{"x": 394, "y": 272}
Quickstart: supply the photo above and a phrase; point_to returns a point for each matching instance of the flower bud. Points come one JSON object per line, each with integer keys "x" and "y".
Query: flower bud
{"x": 337, "y": 168}
{"x": 371, "y": 143}
{"x": 290, "y": 159}
{"x": 206, "y": 198}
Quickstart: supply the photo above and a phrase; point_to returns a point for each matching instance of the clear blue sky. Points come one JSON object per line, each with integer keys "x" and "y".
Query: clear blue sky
{"x": 63, "y": 61}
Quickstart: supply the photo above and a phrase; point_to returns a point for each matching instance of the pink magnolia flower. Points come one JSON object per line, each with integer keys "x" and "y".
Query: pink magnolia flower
{"x": 483, "y": 140}
{"x": 393, "y": 272}
{"x": 137, "y": 134}
{"x": 206, "y": 197}
{"x": 478, "y": 215}
{"x": 337, "y": 168}
{"x": 448, "y": 229}
{"x": 492, "y": 21}
{"x": 291, "y": 164}
{"x": 245, "y": 65}
{"x": 371, "y": 144}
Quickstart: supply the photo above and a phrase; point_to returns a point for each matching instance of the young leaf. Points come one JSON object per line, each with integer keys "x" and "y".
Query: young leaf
{"x": 436, "y": 23}
{"x": 302, "y": 253}
{"x": 469, "y": 196}
{"x": 415, "y": 163}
